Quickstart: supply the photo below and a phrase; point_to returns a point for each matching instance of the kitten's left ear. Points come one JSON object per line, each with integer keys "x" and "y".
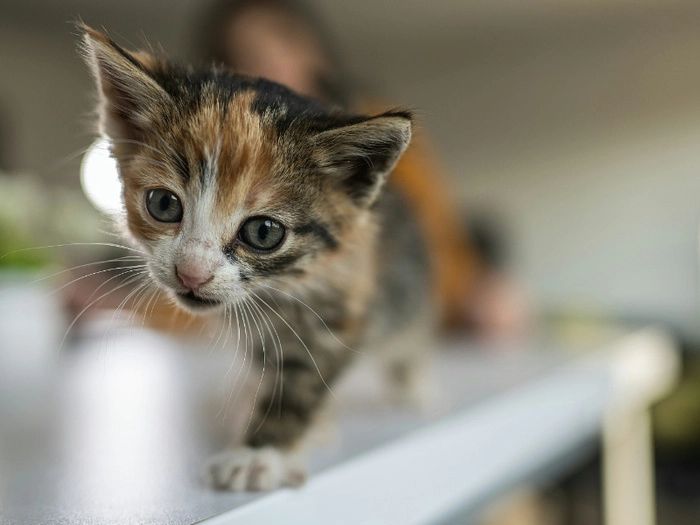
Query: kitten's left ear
{"x": 361, "y": 155}
{"x": 130, "y": 99}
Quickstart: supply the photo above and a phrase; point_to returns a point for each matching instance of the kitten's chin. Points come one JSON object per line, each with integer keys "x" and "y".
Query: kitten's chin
{"x": 197, "y": 304}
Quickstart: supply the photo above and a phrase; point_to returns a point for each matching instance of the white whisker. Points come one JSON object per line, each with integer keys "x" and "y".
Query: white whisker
{"x": 129, "y": 268}
{"x": 315, "y": 313}
{"x": 264, "y": 358}
{"x": 128, "y": 282}
{"x": 300, "y": 340}
{"x": 67, "y": 244}
{"x": 233, "y": 362}
{"x": 277, "y": 344}
{"x": 136, "y": 293}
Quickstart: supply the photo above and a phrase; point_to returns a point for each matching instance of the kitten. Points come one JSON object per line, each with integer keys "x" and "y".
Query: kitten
{"x": 248, "y": 197}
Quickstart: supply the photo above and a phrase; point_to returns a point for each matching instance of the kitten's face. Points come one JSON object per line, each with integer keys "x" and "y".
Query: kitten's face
{"x": 230, "y": 210}
{"x": 232, "y": 184}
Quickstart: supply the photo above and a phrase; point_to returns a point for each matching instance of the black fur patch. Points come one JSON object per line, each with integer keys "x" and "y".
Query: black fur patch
{"x": 205, "y": 172}
{"x": 272, "y": 265}
{"x": 320, "y": 231}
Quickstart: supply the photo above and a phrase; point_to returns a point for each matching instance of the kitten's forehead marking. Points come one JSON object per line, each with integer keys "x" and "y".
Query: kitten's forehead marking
{"x": 210, "y": 162}
{"x": 203, "y": 139}
{"x": 244, "y": 155}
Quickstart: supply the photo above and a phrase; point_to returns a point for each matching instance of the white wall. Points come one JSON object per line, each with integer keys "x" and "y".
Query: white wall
{"x": 582, "y": 131}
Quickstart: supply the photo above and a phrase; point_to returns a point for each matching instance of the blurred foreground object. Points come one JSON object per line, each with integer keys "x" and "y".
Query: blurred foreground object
{"x": 122, "y": 425}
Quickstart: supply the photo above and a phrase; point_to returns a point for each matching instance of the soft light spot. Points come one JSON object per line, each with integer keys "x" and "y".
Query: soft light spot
{"x": 100, "y": 178}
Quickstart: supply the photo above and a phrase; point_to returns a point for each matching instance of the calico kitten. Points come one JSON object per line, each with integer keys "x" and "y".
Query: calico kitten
{"x": 247, "y": 197}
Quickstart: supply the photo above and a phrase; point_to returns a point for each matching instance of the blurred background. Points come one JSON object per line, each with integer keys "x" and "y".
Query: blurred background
{"x": 576, "y": 127}
{"x": 569, "y": 133}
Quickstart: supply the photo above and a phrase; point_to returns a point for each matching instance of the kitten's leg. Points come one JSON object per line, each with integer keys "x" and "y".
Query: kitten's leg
{"x": 408, "y": 363}
{"x": 411, "y": 383}
{"x": 274, "y": 451}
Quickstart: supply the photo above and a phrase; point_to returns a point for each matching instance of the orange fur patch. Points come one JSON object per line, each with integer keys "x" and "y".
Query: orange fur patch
{"x": 246, "y": 157}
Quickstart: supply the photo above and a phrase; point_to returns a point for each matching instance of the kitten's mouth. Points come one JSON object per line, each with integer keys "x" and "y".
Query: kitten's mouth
{"x": 194, "y": 301}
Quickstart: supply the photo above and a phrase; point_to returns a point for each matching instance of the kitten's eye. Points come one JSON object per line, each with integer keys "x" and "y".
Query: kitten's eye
{"x": 262, "y": 233}
{"x": 163, "y": 205}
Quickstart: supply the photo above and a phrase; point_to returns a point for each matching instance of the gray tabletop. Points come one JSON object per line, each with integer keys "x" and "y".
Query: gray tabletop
{"x": 113, "y": 426}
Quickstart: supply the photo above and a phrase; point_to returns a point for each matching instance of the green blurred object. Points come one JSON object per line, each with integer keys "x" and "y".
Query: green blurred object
{"x": 37, "y": 220}
{"x": 14, "y": 252}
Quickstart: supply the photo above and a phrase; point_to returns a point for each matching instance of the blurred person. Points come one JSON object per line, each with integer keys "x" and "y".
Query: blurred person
{"x": 284, "y": 41}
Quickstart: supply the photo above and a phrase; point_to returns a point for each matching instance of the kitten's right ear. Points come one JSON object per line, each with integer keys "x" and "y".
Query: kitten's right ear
{"x": 360, "y": 155}
{"x": 130, "y": 99}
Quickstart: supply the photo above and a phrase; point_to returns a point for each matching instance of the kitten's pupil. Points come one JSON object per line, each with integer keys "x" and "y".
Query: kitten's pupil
{"x": 165, "y": 202}
{"x": 264, "y": 230}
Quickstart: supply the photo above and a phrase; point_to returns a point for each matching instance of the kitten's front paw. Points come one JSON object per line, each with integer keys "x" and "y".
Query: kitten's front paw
{"x": 254, "y": 469}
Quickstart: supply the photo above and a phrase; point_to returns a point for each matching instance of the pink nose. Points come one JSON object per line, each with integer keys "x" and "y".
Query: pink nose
{"x": 193, "y": 279}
